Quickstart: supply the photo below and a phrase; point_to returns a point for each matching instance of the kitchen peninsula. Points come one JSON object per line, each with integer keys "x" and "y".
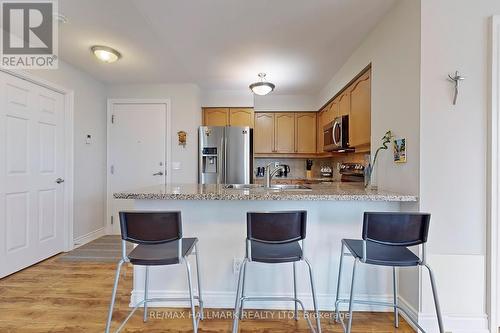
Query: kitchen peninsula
{"x": 216, "y": 215}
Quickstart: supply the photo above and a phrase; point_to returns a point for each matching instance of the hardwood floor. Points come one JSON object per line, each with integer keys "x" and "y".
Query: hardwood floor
{"x": 74, "y": 297}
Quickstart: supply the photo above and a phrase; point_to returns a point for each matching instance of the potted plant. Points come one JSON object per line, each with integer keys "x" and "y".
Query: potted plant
{"x": 386, "y": 139}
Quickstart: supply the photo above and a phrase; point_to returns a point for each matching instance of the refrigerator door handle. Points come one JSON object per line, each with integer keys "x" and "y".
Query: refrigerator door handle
{"x": 220, "y": 159}
{"x": 225, "y": 158}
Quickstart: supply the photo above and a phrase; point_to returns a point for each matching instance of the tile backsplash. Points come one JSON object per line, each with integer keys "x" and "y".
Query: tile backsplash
{"x": 298, "y": 165}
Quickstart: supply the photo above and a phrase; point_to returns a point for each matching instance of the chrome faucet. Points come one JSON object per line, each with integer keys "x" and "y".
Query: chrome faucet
{"x": 270, "y": 174}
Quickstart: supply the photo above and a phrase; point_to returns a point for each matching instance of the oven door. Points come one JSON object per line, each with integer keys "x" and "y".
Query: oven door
{"x": 332, "y": 135}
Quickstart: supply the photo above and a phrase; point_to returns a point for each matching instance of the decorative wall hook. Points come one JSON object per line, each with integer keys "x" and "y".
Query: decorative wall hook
{"x": 456, "y": 79}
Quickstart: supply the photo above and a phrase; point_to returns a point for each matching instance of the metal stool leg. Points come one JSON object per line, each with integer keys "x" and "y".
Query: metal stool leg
{"x": 313, "y": 291}
{"x": 113, "y": 295}
{"x": 296, "y": 313}
{"x": 349, "y": 325}
{"x": 395, "y": 290}
{"x": 191, "y": 298}
{"x": 436, "y": 300}
{"x": 146, "y": 282}
{"x": 238, "y": 296}
{"x": 198, "y": 274}
{"x": 243, "y": 283}
{"x": 337, "y": 297}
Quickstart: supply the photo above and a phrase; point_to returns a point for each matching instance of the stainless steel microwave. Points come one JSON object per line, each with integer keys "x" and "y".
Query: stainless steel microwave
{"x": 336, "y": 134}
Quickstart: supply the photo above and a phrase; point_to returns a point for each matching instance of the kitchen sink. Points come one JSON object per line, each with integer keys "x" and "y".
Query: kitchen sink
{"x": 243, "y": 186}
{"x": 290, "y": 187}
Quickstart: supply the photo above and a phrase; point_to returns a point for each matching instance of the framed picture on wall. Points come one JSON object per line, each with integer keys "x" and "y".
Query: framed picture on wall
{"x": 400, "y": 150}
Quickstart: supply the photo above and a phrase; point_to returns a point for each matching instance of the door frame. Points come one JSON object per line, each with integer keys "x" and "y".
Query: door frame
{"x": 168, "y": 148}
{"x": 68, "y": 95}
{"x": 493, "y": 178}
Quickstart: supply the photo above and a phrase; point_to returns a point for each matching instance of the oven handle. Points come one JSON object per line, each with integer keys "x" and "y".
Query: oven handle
{"x": 333, "y": 132}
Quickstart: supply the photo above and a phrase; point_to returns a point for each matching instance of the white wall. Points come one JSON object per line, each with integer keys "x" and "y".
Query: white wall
{"x": 274, "y": 102}
{"x": 228, "y": 98}
{"x": 186, "y": 116}
{"x": 90, "y": 160}
{"x": 455, "y": 36}
{"x": 393, "y": 49}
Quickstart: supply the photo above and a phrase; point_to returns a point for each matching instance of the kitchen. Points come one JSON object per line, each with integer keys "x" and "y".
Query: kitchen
{"x": 211, "y": 116}
{"x": 312, "y": 147}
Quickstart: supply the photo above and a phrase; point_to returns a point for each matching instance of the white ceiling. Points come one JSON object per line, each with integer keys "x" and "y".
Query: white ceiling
{"x": 218, "y": 44}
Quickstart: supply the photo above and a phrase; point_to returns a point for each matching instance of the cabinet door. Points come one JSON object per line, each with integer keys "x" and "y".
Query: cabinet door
{"x": 263, "y": 134}
{"x": 333, "y": 112}
{"x": 344, "y": 103}
{"x": 241, "y": 117}
{"x": 319, "y": 131}
{"x": 216, "y": 116}
{"x": 359, "y": 118}
{"x": 284, "y": 132}
{"x": 305, "y": 132}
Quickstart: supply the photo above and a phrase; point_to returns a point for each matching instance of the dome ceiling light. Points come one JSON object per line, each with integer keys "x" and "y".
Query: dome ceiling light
{"x": 105, "y": 54}
{"x": 262, "y": 87}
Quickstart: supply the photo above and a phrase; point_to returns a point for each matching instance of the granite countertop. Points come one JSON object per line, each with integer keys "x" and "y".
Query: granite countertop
{"x": 320, "y": 192}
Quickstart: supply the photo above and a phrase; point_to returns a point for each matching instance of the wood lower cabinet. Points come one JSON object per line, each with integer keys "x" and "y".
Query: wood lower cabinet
{"x": 215, "y": 116}
{"x": 228, "y": 117}
{"x": 241, "y": 117}
{"x": 305, "y": 132}
{"x": 284, "y": 132}
{"x": 360, "y": 113}
{"x": 263, "y": 134}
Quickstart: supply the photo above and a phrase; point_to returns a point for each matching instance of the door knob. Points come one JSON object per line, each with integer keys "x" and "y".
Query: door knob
{"x": 159, "y": 173}
{"x": 59, "y": 180}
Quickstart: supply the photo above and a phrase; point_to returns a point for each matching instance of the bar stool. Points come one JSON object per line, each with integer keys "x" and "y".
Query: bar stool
{"x": 385, "y": 241}
{"x": 158, "y": 236}
{"x": 272, "y": 238}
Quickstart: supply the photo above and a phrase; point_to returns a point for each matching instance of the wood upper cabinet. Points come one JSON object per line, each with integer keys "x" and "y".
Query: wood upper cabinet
{"x": 228, "y": 117}
{"x": 263, "y": 134}
{"x": 216, "y": 116}
{"x": 284, "y": 132}
{"x": 319, "y": 131}
{"x": 305, "y": 132}
{"x": 360, "y": 113}
{"x": 344, "y": 104}
{"x": 241, "y": 117}
{"x": 332, "y": 111}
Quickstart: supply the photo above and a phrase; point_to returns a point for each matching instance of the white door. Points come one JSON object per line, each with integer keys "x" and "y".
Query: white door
{"x": 137, "y": 151}
{"x": 31, "y": 160}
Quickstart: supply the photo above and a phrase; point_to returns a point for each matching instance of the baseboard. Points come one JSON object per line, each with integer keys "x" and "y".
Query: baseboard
{"x": 82, "y": 240}
{"x": 225, "y": 300}
{"x": 412, "y": 312}
{"x": 455, "y": 323}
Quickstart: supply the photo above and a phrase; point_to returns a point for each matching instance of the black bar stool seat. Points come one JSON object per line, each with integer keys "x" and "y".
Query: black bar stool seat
{"x": 161, "y": 254}
{"x": 273, "y": 238}
{"x": 385, "y": 240}
{"x": 382, "y": 255}
{"x": 276, "y": 253}
{"x": 158, "y": 241}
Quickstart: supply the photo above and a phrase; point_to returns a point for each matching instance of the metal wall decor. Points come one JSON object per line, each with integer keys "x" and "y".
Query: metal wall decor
{"x": 456, "y": 79}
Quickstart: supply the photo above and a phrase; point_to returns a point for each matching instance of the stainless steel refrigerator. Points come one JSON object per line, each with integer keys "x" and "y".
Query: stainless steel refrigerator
{"x": 225, "y": 155}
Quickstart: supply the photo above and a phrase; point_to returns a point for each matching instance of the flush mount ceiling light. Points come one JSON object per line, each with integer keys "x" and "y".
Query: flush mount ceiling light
{"x": 262, "y": 87}
{"x": 60, "y": 18}
{"x": 105, "y": 54}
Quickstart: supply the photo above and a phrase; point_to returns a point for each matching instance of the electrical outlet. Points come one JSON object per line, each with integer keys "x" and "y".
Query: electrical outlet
{"x": 237, "y": 266}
